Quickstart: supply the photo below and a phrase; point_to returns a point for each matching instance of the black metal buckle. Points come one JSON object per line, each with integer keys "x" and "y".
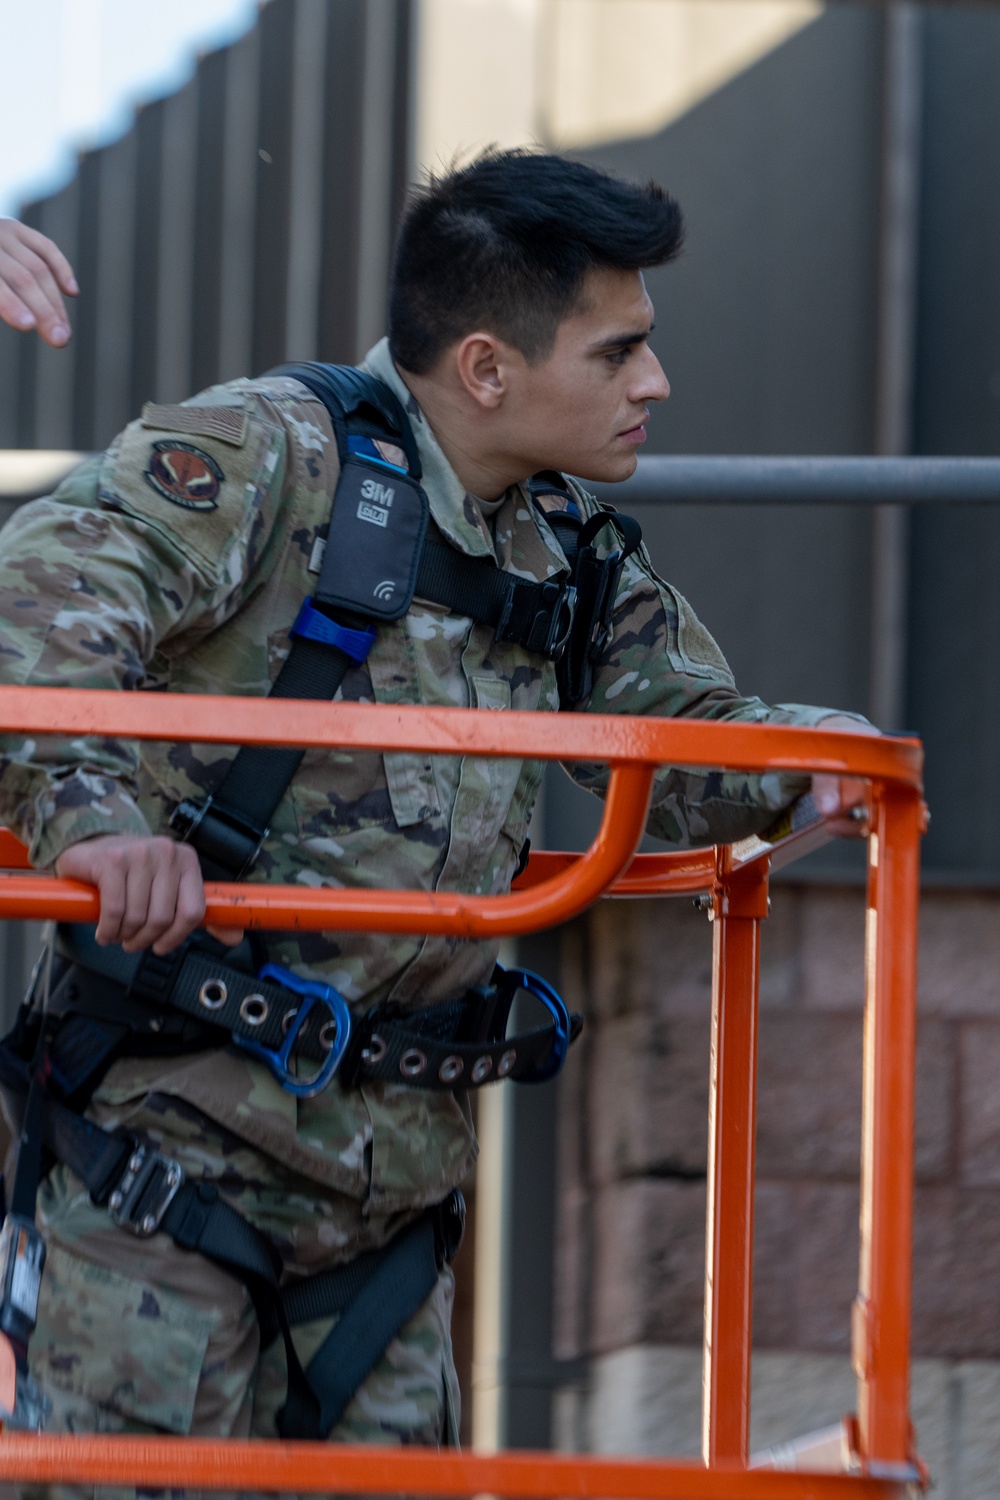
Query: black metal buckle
{"x": 449, "y": 1226}
{"x": 148, "y": 1186}
{"x": 191, "y": 819}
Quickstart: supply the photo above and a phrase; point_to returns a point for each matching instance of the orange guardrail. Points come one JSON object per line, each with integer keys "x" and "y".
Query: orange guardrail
{"x": 554, "y": 888}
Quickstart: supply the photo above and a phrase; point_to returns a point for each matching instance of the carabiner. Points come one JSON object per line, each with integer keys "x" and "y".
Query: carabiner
{"x": 313, "y": 994}
{"x": 534, "y": 984}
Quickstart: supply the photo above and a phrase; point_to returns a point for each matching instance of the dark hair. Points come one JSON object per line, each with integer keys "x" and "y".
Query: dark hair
{"x": 505, "y": 243}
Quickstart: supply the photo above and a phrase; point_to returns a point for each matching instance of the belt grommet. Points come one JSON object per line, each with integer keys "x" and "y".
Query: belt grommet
{"x": 213, "y": 994}
{"x": 287, "y": 1019}
{"x": 412, "y": 1063}
{"x": 507, "y": 1061}
{"x": 328, "y": 1035}
{"x": 254, "y": 1010}
{"x": 481, "y": 1069}
{"x": 451, "y": 1069}
{"x": 375, "y": 1050}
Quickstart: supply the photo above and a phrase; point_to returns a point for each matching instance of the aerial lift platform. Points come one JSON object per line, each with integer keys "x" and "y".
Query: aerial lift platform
{"x": 880, "y": 1460}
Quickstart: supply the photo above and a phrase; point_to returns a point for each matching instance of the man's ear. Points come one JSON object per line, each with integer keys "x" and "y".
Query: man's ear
{"x": 482, "y": 365}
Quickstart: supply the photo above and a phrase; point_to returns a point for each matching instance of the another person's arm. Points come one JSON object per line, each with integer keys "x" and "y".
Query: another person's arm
{"x": 34, "y": 278}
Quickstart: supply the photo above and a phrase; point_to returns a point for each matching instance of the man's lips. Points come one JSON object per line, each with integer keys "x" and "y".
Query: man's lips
{"x": 635, "y": 434}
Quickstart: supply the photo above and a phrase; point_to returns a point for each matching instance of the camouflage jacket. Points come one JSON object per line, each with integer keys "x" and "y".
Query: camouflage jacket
{"x": 177, "y": 561}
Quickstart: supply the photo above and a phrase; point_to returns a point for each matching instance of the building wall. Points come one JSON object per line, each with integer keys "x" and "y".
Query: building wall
{"x": 632, "y": 1167}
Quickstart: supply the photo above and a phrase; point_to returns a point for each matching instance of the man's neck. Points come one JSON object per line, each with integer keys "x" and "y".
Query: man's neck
{"x": 485, "y": 476}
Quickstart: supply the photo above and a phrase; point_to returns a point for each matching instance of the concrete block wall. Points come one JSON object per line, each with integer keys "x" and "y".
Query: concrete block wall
{"x": 632, "y": 1159}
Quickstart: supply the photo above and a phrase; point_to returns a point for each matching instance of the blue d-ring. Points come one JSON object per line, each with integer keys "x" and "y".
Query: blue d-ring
{"x": 534, "y": 984}
{"x": 313, "y": 994}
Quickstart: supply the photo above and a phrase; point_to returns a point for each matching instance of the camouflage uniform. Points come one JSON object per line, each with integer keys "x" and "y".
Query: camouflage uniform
{"x": 187, "y": 579}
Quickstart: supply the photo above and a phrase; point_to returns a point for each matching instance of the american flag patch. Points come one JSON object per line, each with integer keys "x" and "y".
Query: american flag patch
{"x": 228, "y": 423}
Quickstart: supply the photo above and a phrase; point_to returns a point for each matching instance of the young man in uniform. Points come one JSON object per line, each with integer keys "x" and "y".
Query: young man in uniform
{"x": 178, "y": 560}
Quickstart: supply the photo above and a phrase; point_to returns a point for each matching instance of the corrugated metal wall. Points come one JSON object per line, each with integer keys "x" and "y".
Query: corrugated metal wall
{"x": 199, "y": 237}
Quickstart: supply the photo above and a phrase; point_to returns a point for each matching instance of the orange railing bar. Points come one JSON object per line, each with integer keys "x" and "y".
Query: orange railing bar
{"x": 320, "y": 1468}
{"x": 617, "y": 740}
{"x": 632, "y": 757}
{"x": 881, "y": 1323}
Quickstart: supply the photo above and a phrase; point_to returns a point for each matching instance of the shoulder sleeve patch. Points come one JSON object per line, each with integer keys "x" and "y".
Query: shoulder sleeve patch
{"x": 226, "y": 423}
{"x": 202, "y": 494}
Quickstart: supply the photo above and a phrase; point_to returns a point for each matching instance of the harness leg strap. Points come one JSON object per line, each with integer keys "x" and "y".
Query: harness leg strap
{"x": 352, "y": 1348}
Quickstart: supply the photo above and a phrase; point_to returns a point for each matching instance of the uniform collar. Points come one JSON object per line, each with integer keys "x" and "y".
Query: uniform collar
{"x": 523, "y": 545}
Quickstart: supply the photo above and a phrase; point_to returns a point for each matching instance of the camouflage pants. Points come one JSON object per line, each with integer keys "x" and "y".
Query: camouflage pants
{"x": 140, "y": 1336}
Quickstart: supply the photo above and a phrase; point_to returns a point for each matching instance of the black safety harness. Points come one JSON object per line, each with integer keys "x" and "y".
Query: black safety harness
{"x": 103, "y": 1004}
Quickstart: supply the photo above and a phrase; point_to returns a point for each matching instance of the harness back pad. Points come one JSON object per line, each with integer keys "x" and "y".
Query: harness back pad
{"x": 374, "y": 543}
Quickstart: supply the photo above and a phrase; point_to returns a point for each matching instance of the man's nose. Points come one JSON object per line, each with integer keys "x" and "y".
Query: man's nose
{"x": 652, "y": 385}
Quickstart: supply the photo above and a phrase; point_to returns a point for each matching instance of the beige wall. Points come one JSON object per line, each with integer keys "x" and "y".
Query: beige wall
{"x": 575, "y": 72}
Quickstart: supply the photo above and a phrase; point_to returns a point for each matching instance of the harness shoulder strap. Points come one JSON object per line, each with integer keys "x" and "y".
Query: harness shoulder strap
{"x": 331, "y": 633}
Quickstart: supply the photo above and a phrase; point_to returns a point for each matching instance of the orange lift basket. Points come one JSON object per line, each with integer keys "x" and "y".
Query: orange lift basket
{"x": 554, "y": 888}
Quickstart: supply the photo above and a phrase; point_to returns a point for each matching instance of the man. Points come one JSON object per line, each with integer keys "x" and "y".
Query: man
{"x": 518, "y": 343}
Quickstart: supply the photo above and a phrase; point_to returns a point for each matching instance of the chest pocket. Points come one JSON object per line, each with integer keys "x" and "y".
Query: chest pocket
{"x": 409, "y": 776}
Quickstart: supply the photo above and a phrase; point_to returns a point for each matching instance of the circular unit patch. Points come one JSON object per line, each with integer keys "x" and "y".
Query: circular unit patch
{"x": 184, "y": 475}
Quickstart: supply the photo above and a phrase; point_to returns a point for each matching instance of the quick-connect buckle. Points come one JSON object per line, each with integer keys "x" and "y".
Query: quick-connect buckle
{"x": 334, "y": 1034}
{"x": 561, "y": 626}
{"x": 148, "y": 1186}
{"x": 220, "y": 834}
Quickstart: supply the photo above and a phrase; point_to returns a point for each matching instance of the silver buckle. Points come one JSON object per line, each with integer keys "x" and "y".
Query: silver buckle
{"x": 139, "y": 1201}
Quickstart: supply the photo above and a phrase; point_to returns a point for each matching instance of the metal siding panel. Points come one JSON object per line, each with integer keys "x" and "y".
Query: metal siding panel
{"x": 176, "y": 244}
{"x": 116, "y": 251}
{"x": 28, "y": 369}
{"x": 85, "y": 334}
{"x": 210, "y": 86}
{"x": 404, "y": 167}
{"x": 10, "y": 365}
{"x": 378, "y": 171}
{"x": 274, "y": 177}
{"x": 239, "y": 186}
{"x": 766, "y": 323}
{"x": 954, "y": 686}
{"x": 59, "y": 219}
{"x": 342, "y": 182}
{"x": 306, "y": 188}
{"x": 146, "y": 278}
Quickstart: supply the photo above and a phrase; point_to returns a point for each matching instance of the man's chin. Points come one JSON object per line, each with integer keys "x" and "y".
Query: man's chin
{"x": 608, "y": 469}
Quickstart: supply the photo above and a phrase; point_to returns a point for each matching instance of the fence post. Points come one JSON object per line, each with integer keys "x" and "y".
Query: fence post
{"x": 881, "y": 1320}
{"x": 740, "y": 903}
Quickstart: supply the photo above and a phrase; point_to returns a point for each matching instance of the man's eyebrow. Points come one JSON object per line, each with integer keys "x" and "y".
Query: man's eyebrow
{"x": 619, "y": 341}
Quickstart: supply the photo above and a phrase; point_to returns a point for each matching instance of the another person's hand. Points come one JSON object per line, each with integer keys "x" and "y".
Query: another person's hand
{"x": 33, "y": 275}
{"x": 151, "y": 890}
{"x": 836, "y": 794}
